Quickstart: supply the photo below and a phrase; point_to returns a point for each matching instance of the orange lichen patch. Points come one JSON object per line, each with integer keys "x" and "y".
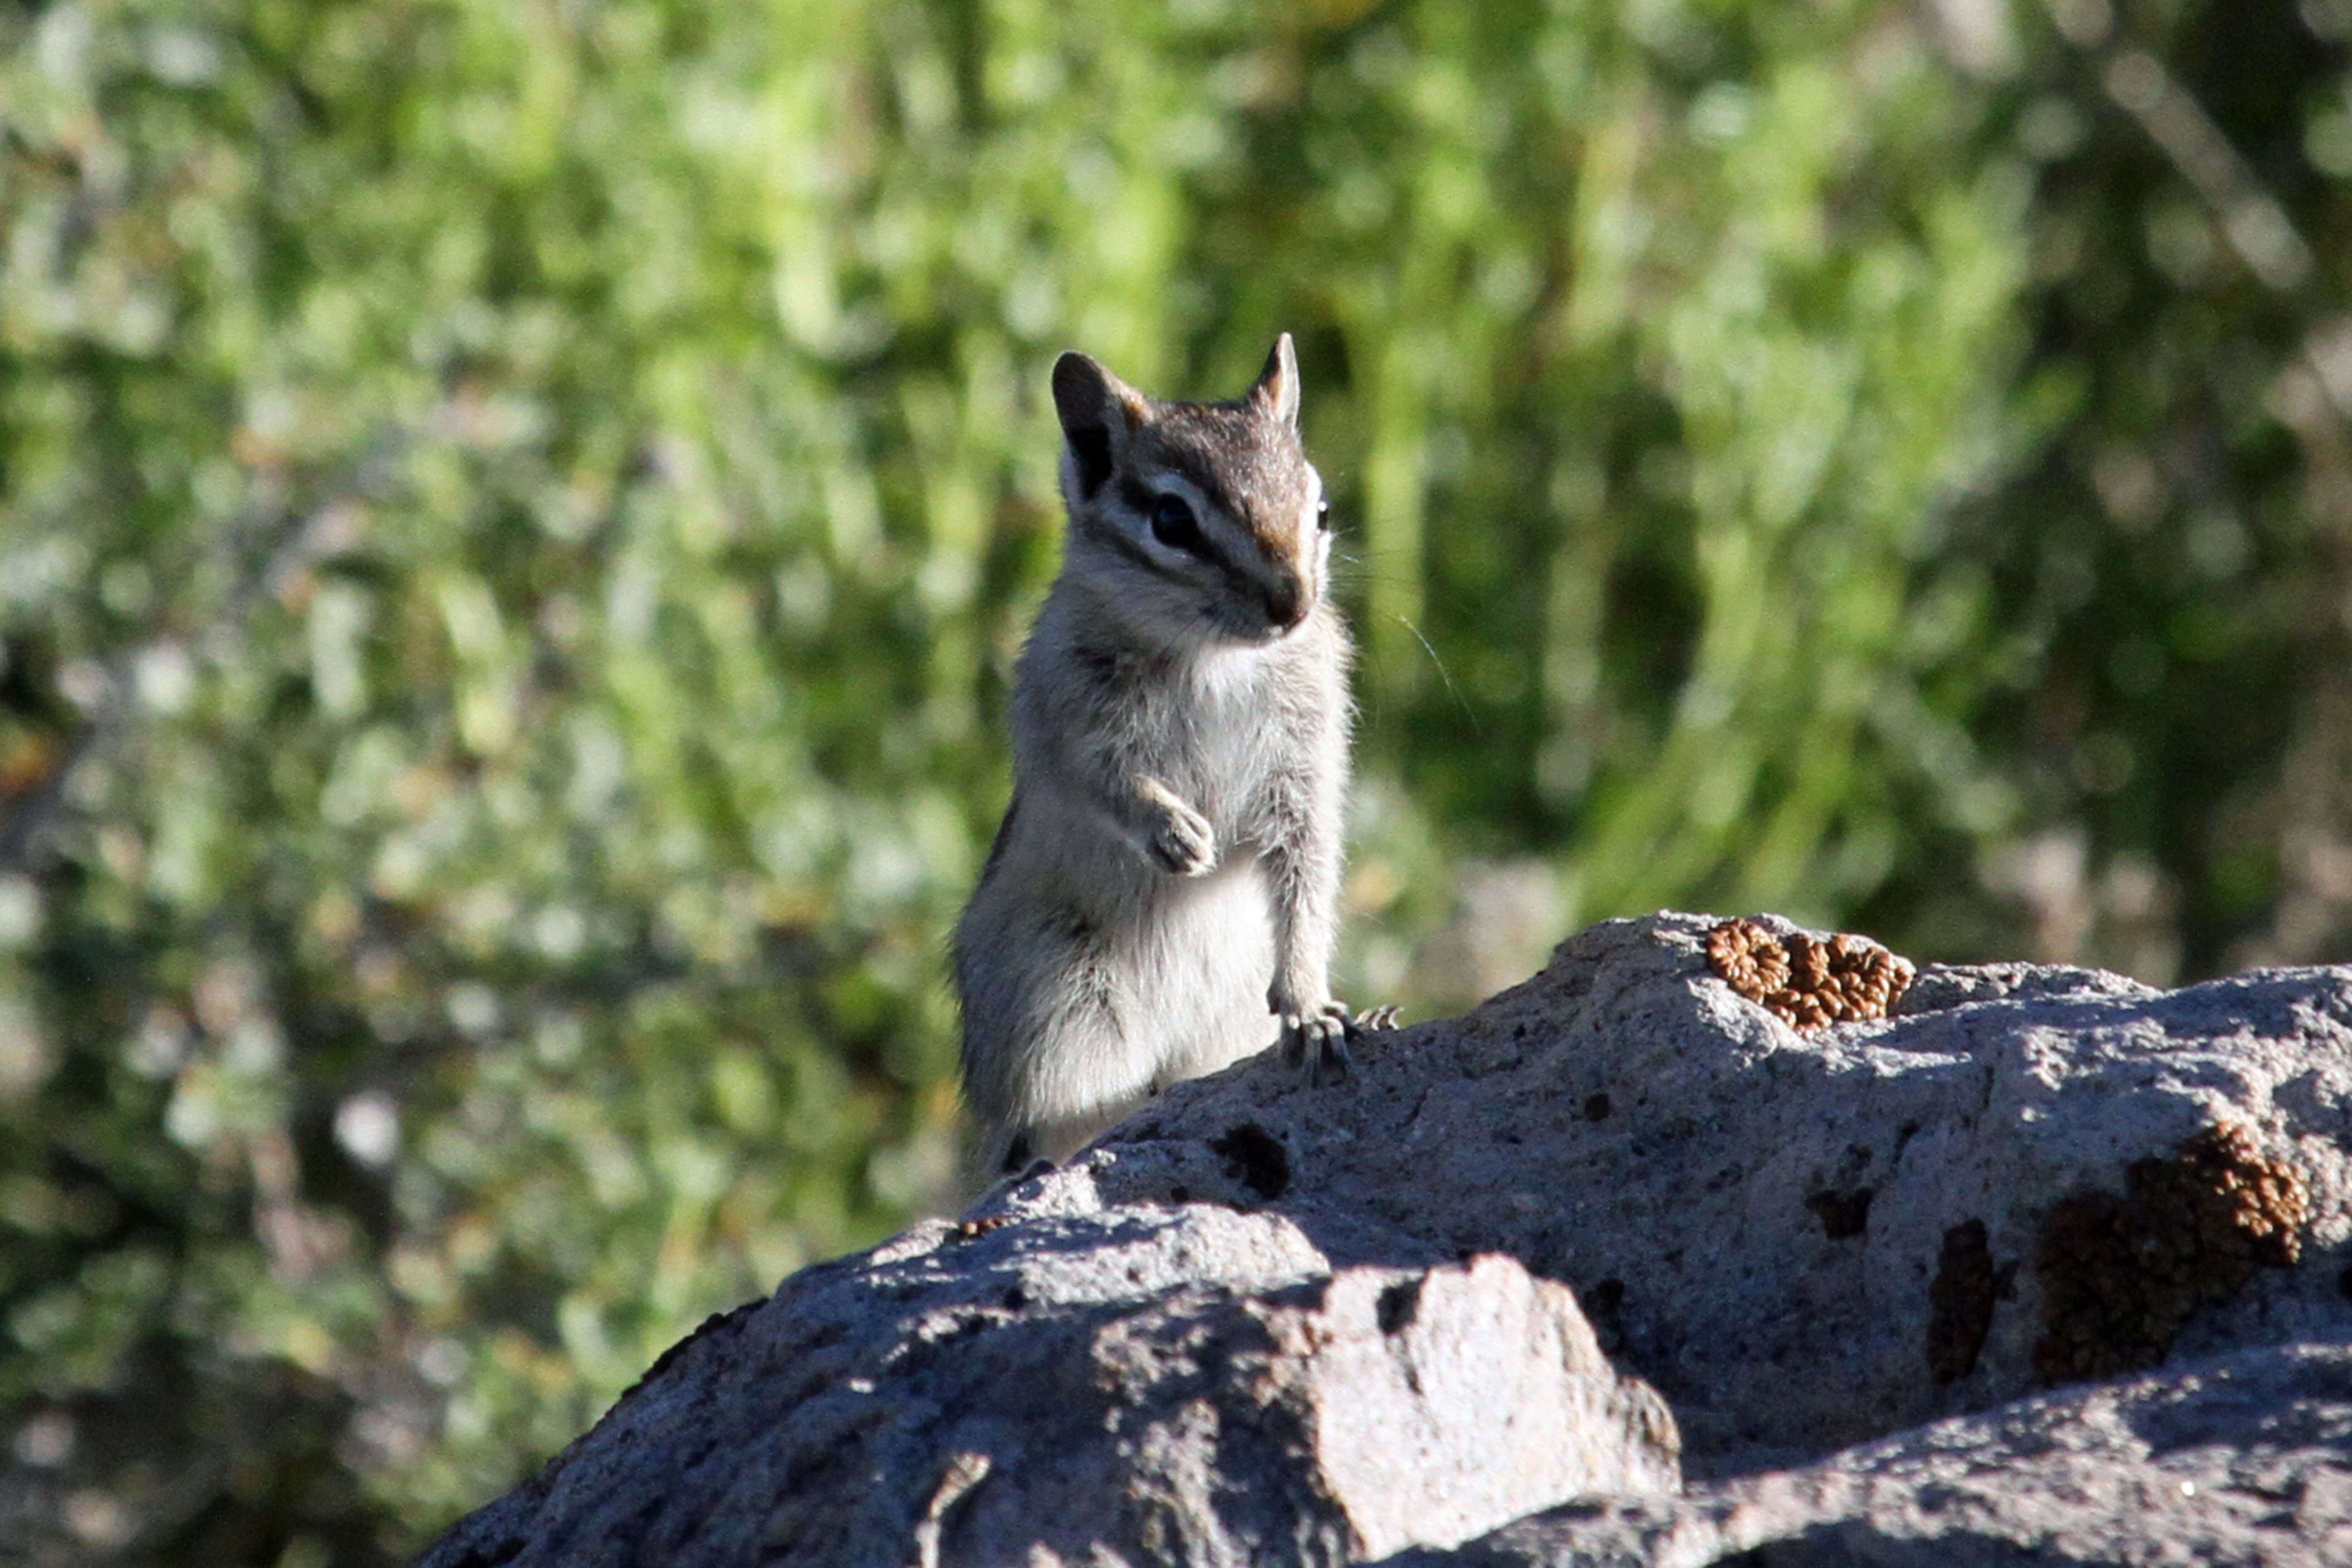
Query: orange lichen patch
{"x": 1805, "y": 982}
{"x": 972, "y": 1229}
{"x": 2120, "y": 1275}
{"x": 1749, "y": 957}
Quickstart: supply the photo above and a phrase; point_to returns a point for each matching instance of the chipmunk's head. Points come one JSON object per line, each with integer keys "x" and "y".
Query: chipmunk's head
{"x": 1197, "y": 519}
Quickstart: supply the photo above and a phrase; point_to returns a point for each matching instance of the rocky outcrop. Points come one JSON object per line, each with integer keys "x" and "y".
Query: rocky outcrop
{"x": 1856, "y": 1268}
{"x": 2241, "y": 1460}
{"x": 1172, "y": 1384}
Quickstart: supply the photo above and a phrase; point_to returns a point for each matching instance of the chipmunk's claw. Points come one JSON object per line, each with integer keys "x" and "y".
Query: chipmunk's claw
{"x": 1315, "y": 1044}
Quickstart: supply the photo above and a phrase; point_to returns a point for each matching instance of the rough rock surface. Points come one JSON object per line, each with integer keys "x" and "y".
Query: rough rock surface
{"x": 1266, "y": 1323}
{"x": 1165, "y": 1383}
{"x": 2243, "y": 1459}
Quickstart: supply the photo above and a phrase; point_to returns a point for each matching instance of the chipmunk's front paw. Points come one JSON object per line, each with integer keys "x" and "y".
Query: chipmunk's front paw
{"x": 1377, "y": 1020}
{"x": 1314, "y": 1043}
{"x": 1183, "y": 842}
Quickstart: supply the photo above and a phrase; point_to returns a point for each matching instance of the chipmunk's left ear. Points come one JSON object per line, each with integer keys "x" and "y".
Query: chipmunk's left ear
{"x": 1276, "y": 391}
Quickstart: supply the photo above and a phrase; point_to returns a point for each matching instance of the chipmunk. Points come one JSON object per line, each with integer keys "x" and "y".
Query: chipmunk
{"x": 1162, "y": 898}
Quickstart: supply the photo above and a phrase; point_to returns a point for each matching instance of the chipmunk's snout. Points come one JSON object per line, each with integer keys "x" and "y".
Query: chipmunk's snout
{"x": 1286, "y": 603}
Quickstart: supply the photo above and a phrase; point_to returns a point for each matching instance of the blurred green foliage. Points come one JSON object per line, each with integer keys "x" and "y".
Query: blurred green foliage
{"x": 515, "y": 518}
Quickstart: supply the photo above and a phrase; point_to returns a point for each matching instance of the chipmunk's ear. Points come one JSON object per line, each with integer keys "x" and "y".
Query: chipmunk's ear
{"x": 1098, "y": 413}
{"x": 1276, "y": 391}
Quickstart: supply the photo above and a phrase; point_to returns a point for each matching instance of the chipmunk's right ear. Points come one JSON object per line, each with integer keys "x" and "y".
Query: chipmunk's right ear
{"x": 1098, "y": 412}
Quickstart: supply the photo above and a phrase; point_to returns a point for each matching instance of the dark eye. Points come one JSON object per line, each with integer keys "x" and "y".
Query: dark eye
{"x": 1323, "y": 515}
{"x": 1173, "y": 522}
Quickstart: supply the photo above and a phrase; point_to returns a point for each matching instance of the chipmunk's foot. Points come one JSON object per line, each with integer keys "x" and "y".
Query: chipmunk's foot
{"x": 1314, "y": 1044}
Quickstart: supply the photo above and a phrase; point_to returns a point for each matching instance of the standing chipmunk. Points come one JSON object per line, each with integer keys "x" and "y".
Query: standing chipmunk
{"x": 1160, "y": 899}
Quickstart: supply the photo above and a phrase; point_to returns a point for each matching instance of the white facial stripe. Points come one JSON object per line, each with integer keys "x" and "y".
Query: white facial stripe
{"x": 1160, "y": 480}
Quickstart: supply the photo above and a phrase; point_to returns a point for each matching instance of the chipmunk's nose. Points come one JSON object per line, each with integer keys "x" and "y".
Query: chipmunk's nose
{"x": 1286, "y": 604}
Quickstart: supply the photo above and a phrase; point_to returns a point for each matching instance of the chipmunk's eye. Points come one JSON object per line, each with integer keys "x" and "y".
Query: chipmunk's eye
{"x": 1323, "y": 514}
{"x": 1173, "y": 522}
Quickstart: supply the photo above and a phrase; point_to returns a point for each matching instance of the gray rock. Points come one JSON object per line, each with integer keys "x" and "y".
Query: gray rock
{"x": 2244, "y": 1459}
{"x": 1267, "y": 1323}
{"x": 1160, "y": 1384}
{"x": 1755, "y": 1220}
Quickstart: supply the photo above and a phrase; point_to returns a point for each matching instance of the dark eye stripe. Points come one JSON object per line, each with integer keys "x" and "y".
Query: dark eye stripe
{"x": 1141, "y": 498}
{"x": 1239, "y": 580}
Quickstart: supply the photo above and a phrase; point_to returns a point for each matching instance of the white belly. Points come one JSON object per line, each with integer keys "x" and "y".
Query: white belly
{"x": 1209, "y": 960}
